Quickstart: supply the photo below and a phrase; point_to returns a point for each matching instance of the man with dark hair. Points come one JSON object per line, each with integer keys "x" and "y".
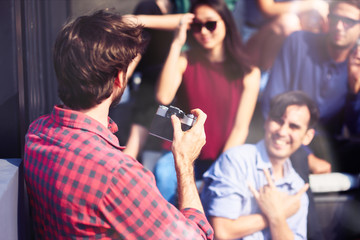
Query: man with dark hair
{"x": 80, "y": 183}
{"x": 272, "y": 205}
{"x": 318, "y": 65}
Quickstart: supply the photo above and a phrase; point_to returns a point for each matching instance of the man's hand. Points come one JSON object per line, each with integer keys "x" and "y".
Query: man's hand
{"x": 274, "y": 203}
{"x": 187, "y": 145}
{"x": 277, "y": 206}
{"x": 291, "y": 203}
{"x": 354, "y": 71}
{"x": 269, "y": 198}
{"x": 186, "y": 148}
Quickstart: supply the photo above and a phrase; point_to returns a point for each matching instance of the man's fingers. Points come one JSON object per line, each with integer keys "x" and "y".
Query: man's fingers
{"x": 302, "y": 190}
{"x": 176, "y": 124}
{"x": 199, "y": 124}
{"x": 200, "y": 116}
{"x": 253, "y": 190}
{"x": 268, "y": 178}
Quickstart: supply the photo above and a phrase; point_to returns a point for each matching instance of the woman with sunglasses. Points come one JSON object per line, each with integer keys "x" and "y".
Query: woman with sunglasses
{"x": 213, "y": 75}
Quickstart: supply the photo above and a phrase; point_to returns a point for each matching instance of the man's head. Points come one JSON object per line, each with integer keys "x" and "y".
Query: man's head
{"x": 91, "y": 54}
{"x": 291, "y": 121}
{"x": 344, "y": 23}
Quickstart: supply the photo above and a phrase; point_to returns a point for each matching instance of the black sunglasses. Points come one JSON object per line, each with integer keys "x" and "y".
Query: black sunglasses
{"x": 196, "y": 27}
{"x": 347, "y": 22}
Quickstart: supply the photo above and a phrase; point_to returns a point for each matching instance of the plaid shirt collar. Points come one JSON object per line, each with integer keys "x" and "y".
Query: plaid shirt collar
{"x": 75, "y": 119}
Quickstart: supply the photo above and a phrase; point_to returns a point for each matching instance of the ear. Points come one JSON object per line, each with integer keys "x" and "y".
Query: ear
{"x": 309, "y": 135}
{"x": 119, "y": 80}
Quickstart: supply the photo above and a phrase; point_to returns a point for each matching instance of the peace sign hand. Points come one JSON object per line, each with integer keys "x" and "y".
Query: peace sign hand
{"x": 275, "y": 204}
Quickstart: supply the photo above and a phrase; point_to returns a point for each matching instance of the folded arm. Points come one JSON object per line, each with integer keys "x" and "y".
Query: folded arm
{"x": 272, "y": 9}
{"x": 226, "y": 228}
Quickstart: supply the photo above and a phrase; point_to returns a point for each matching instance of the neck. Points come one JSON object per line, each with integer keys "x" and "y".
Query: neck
{"x": 100, "y": 112}
{"x": 338, "y": 54}
{"x": 216, "y": 54}
{"x": 278, "y": 168}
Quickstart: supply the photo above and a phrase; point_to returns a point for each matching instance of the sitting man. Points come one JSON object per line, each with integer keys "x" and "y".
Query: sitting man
{"x": 252, "y": 191}
{"x": 80, "y": 183}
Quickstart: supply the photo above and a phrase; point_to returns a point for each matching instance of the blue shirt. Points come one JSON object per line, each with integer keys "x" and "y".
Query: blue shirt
{"x": 352, "y": 114}
{"x": 226, "y": 193}
{"x": 304, "y": 64}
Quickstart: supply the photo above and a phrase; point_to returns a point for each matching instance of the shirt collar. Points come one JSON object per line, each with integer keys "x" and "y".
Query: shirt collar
{"x": 264, "y": 162}
{"x": 75, "y": 119}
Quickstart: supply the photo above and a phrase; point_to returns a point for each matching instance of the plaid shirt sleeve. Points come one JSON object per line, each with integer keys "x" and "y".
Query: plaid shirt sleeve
{"x": 136, "y": 209}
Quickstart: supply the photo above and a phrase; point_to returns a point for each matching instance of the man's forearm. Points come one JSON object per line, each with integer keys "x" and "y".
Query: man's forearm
{"x": 226, "y": 228}
{"x": 280, "y": 230}
{"x": 187, "y": 191}
{"x": 186, "y": 148}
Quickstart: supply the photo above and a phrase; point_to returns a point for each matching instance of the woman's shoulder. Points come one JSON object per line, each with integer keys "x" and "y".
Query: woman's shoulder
{"x": 253, "y": 76}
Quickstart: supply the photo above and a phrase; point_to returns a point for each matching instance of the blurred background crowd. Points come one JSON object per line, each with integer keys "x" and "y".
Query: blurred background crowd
{"x": 228, "y": 62}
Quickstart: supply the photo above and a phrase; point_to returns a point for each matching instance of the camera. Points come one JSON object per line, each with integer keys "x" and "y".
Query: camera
{"x": 161, "y": 125}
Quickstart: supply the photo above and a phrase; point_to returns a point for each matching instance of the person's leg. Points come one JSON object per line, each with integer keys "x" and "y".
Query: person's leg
{"x": 165, "y": 176}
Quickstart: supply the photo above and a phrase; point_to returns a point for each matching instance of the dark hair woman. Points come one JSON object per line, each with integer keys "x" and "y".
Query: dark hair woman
{"x": 213, "y": 75}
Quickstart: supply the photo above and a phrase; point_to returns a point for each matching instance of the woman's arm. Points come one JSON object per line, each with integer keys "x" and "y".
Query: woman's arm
{"x": 161, "y": 22}
{"x": 175, "y": 65}
{"x": 272, "y": 9}
{"x": 245, "y": 110}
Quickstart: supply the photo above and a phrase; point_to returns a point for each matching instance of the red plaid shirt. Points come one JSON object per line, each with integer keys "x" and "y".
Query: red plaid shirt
{"x": 82, "y": 186}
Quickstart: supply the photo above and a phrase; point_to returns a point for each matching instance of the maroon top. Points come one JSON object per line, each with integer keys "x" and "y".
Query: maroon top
{"x": 205, "y": 86}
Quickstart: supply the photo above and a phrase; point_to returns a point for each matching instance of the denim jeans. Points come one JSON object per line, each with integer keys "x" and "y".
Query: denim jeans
{"x": 165, "y": 175}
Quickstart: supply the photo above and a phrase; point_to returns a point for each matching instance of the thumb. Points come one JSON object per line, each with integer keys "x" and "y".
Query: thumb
{"x": 302, "y": 190}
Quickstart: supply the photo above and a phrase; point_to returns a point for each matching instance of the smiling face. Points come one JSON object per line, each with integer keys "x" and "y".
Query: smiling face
{"x": 344, "y": 28}
{"x": 285, "y": 135}
{"x": 206, "y": 38}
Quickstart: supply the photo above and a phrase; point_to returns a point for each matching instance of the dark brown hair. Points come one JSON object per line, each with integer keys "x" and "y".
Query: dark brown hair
{"x": 89, "y": 52}
{"x": 280, "y": 102}
{"x": 236, "y": 63}
{"x": 334, "y": 3}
